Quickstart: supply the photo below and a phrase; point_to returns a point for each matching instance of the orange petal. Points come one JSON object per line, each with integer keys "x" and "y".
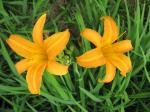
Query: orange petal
{"x": 110, "y": 73}
{"x": 57, "y": 68}
{"x": 127, "y": 60}
{"x": 57, "y": 42}
{"x": 21, "y": 46}
{"x": 111, "y": 30}
{"x": 122, "y": 62}
{"x": 92, "y": 58}
{"x": 38, "y": 30}
{"x": 34, "y": 78}
{"x": 122, "y": 46}
{"x": 92, "y": 36}
{"x": 23, "y": 65}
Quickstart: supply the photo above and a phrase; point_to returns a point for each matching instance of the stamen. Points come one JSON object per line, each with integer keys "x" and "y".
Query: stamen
{"x": 122, "y": 34}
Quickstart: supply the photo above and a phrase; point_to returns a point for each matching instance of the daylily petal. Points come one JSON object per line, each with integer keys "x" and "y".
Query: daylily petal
{"x": 111, "y": 30}
{"x": 107, "y": 50}
{"x": 57, "y": 68}
{"x": 92, "y": 36}
{"x": 127, "y": 60}
{"x": 92, "y": 58}
{"x": 23, "y": 65}
{"x": 122, "y": 62}
{"x": 122, "y": 46}
{"x": 110, "y": 73}
{"x": 21, "y": 46}
{"x": 38, "y": 30}
{"x": 56, "y": 43}
{"x": 34, "y": 78}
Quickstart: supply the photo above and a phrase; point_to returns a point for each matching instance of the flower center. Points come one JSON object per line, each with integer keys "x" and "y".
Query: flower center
{"x": 107, "y": 50}
{"x": 41, "y": 56}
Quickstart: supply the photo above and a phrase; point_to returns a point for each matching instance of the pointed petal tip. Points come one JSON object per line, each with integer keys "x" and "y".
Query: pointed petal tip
{"x": 44, "y": 15}
{"x": 35, "y": 92}
{"x": 10, "y": 36}
{"x": 105, "y": 17}
{"x": 67, "y": 31}
{"x": 84, "y": 30}
{"x": 100, "y": 81}
{"x": 103, "y": 81}
{"x": 77, "y": 57}
{"x": 37, "y": 33}
{"x": 8, "y": 39}
{"x": 101, "y": 18}
{"x": 123, "y": 74}
{"x": 130, "y": 44}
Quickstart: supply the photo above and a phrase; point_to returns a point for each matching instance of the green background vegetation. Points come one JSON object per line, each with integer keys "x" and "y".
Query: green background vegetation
{"x": 78, "y": 90}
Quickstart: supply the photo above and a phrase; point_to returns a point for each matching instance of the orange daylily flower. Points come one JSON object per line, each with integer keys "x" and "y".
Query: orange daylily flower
{"x": 39, "y": 54}
{"x": 106, "y": 52}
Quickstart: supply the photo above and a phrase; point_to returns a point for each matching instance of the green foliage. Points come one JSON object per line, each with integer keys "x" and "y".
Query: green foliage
{"x": 79, "y": 90}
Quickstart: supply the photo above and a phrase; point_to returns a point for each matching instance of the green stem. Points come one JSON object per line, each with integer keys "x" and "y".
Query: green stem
{"x": 81, "y": 84}
{"x": 50, "y": 79}
{"x": 69, "y": 82}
